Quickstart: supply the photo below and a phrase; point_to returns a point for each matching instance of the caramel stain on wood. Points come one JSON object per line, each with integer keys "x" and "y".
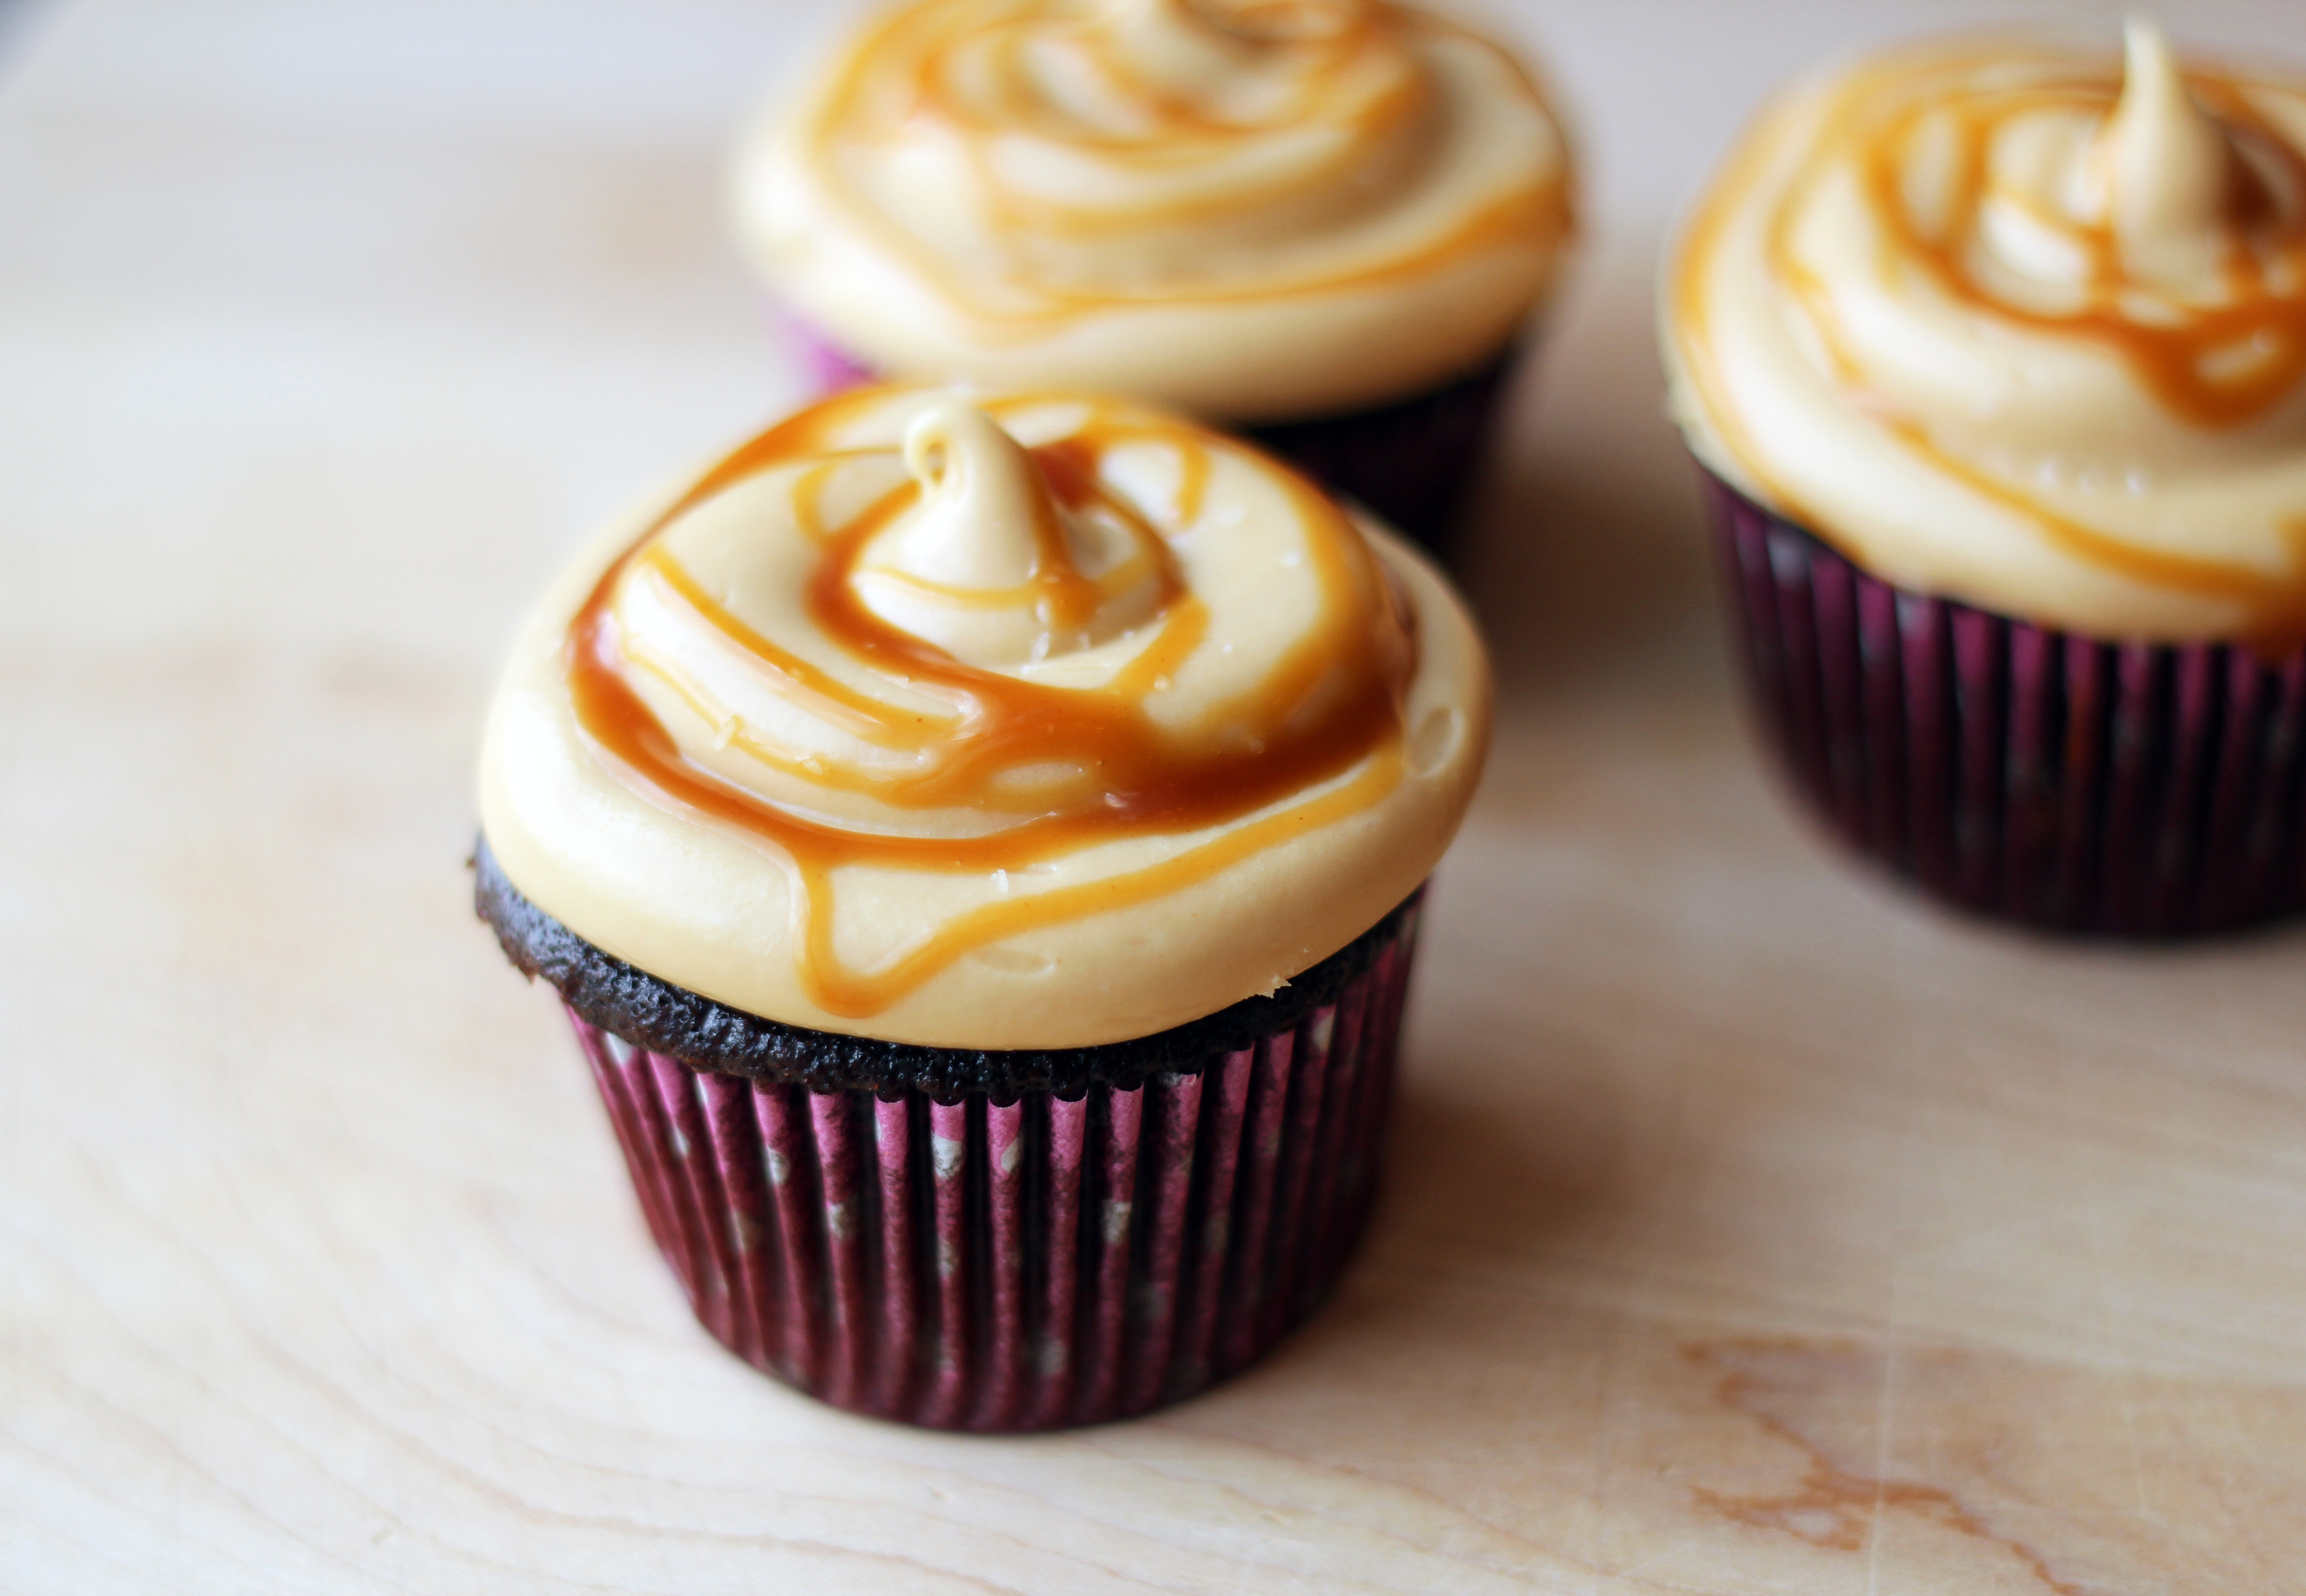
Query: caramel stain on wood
{"x": 1771, "y": 1382}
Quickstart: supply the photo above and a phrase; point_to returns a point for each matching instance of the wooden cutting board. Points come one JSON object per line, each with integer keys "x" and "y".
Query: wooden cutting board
{"x": 1750, "y": 1227}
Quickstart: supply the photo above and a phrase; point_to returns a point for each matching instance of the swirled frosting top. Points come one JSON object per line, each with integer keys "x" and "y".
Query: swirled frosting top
{"x": 986, "y": 722}
{"x": 2023, "y": 325}
{"x": 1254, "y": 208}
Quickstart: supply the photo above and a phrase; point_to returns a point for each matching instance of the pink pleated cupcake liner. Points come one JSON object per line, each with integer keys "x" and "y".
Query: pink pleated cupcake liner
{"x": 828, "y": 367}
{"x": 1030, "y": 1265}
{"x": 1414, "y": 462}
{"x": 2066, "y": 782}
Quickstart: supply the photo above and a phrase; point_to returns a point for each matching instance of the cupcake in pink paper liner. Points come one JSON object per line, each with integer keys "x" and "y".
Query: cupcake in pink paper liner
{"x": 1329, "y": 223}
{"x": 978, "y": 842}
{"x": 1995, "y": 357}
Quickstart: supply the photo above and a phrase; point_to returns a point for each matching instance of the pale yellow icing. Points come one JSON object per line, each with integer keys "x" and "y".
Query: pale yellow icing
{"x": 2020, "y": 325}
{"x": 986, "y": 721}
{"x": 958, "y": 568}
{"x": 1254, "y": 208}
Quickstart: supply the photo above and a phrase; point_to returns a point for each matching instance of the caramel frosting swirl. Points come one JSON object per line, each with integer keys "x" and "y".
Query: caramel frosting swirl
{"x": 1255, "y": 209}
{"x": 986, "y": 721}
{"x": 2023, "y": 325}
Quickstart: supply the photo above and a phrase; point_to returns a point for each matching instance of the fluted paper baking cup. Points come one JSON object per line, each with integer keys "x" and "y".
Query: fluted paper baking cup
{"x": 2066, "y": 782}
{"x": 1414, "y": 462}
{"x": 828, "y": 367}
{"x": 1004, "y": 1266}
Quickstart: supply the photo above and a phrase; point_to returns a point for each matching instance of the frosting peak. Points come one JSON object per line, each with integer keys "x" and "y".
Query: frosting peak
{"x": 993, "y": 565}
{"x": 1184, "y": 49}
{"x": 2170, "y": 168}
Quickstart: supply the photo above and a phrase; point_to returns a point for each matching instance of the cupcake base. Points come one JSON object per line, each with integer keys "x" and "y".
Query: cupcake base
{"x": 991, "y": 1241}
{"x": 1413, "y": 462}
{"x": 2064, "y": 781}
{"x": 1015, "y": 1266}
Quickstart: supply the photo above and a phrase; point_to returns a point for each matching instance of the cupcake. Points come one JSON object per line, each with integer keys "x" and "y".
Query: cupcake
{"x": 978, "y": 840}
{"x": 1329, "y": 222}
{"x": 1994, "y": 359}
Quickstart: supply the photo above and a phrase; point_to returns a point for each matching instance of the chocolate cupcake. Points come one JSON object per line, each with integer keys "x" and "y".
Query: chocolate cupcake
{"x": 978, "y": 842}
{"x": 1995, "y": 357}
{"x": 1328, "y": 223}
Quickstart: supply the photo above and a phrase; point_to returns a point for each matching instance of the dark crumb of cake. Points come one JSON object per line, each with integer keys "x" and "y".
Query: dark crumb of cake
{"x": 654, "y": 1014}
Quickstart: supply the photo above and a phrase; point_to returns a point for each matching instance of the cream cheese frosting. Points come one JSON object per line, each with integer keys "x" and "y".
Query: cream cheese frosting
{"x": 986, "y": 721}
{"x": 1257, "y": 209}
{"x": 2020, "y": 325}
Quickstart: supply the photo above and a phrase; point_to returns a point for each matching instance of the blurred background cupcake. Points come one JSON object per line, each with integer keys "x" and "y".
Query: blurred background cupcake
{"x": 1993, "y": 354}
{"x": 985, "y": 897}
{"x": 1329, "y": 222}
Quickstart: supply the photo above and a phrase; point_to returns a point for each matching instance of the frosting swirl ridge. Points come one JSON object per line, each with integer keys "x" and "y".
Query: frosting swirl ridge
{"x": 2023, "y": 326}
{"x": 1115, "y": 193}
{"x": 985, "y": 722}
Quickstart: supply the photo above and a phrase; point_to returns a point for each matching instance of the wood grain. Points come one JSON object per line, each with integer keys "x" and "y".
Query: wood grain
{"x": 1749, "y": 1227}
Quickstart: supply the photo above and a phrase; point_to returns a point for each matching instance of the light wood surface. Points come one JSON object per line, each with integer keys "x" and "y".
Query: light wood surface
{"x": 1750, "y": 1228}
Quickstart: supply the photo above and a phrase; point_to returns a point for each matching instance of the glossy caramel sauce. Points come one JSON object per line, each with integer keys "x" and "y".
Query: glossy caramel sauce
{"x": 2180, "y": 354}
{"x": 1324, "y": 47}
{"x": 1330, "y": 709}
{"x": 2176, "y": 359}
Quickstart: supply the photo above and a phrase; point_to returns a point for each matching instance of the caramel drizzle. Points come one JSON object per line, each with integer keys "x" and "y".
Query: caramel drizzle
{"x": 1332, "y": 704}
{"x": 1178, "y": 131}
{"x": 2172, "y": 359}
{"x": 1537, "y": 215}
